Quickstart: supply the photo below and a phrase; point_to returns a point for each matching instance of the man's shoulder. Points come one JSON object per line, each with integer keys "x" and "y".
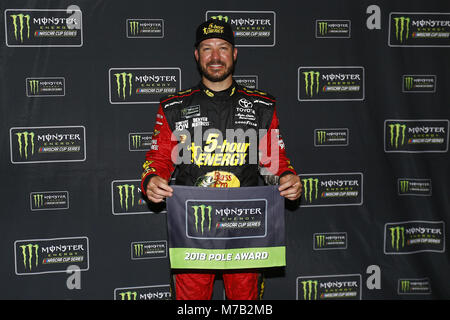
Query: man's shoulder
{"x": 178, "y": 98}
{"x": 257, "y": 96}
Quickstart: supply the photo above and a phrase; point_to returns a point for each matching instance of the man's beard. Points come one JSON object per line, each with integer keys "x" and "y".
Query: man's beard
{"x": 216, "y": 77}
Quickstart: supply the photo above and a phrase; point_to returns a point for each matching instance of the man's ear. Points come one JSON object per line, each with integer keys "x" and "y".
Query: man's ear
{"x": 235, "y": 52}
{"x": 196, "y": 54}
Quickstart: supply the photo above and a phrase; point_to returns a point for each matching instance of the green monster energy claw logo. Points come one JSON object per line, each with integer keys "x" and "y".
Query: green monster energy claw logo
{"x": 310, "y": 290}
{"x": 409, "y": 83}
{"x": 136, "y": 140}
{"x": 311, "y": 80}
{"x": 323, "y": 27}
{"x": 309, "y": 185}
{"x": 34, "y": 86}
{"x": 128, "y": 295}
{"x": 320, "y": 241}
{"x": 397, "y": 234}
{"x": 405, "y": 285}
{"x": 203, "y": 216}
{"x": 122, "y": 80}
{"x": 28, "y": 253}
{"x": 402, "y": 26}
{"x": 395, "y": 136}
{"x": 38, "y": 200}
{"x": 134, "y": 25}
{"x": 125, "y": 191}
{"x": 24, "y": 146}
{"x": 404, "y": 186}
{"x": 321, "y": 135}
{"x": 19, "y": 25}
{"x": 221, "y": 18}
{"x": 138, "y": 249}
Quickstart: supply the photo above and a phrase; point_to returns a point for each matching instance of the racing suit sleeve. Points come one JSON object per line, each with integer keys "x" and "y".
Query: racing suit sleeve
{"x": 158, "y": 160}
{"x": 273, "y": 160}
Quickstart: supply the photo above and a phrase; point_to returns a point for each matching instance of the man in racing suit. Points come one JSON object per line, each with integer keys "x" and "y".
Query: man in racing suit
{"x": 226, "y": 114}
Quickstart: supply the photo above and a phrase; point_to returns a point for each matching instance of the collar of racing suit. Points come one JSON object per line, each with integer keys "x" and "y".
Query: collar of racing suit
{"x": 220, "y": 95}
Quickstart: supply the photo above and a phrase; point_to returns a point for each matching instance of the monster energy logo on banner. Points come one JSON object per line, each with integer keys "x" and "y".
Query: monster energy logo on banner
{"x": 310, "y": 289}
{"x": 136, "y": 140}
{"x": 311, "y": 80}
{"x": 395, "y": 136}
{"x": 309, "y": 185}
{"x": 19, "y": 21}
{"x": 34, "y": 86}
{"x": 23, "y": 146}
{"x": 323, "y": 27}
{"x": 409, "y": 81}
{"x": 128, "y": 295}
{"x": 122, "y": 80}
{"x": 29, "y": 252}
{"x": 38, "y": 200}
{"x": 402, "y": 28}
{"x": 404, "y": 186}
{"x": 397, "y": 233}
{"x": 321, "y": 135}
{"x": 134, "y": 25}
{"x": 125, "y": 191}
{"x": 202, "y": 216}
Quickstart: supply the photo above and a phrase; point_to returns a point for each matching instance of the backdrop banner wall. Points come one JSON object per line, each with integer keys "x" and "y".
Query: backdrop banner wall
{"x": 363, "y": 105}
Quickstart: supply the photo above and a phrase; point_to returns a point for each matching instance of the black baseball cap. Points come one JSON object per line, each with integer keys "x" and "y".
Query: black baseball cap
{"x": 214, "y": 28}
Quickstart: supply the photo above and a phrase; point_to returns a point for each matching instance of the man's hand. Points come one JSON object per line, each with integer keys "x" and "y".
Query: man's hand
{"x": 290, "y": 186}
{"x": 157, "y": 189}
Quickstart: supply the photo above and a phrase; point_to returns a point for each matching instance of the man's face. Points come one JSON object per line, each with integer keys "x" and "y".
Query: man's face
{"x": 215, "y": 58}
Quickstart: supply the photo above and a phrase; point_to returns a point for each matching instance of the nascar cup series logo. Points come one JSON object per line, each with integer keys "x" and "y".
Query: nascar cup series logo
{"x": 148, "y": 250}
{"x": 419, "y": 83}
{"x": 44, "y": 27}
{"x": 45, "y": 87}
{"x": 331, "y": 84}
{"x": 414, "y": 187}
{"x": 329, "y": 287}
{"x": 333, "y": 28}
{"x": 332, "y": 189}
{"x": 47, "y": 144}
{"x": 49, "y": 200}
{"x": 250, "y": 28}
{"x": 145, "y": 28}
{"x": 142, "y": 85}
{"x": 417, "y": 29}
{"x": 226, "y": 220}
{"x": 414, "y": 286}
{"x": 414, "y": 236}
{"x": 50, "y": 255}
{"x": 414, "y": 136}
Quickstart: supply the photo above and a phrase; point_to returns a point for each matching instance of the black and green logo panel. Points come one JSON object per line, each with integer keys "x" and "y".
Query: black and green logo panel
{"x": 47, "y": 144}
{"x": 329, "y": 287}
{"x": 37, "y": 256}
{"x": 43, "y": 28}
{"x": 334, "y": 83}
{"x": 332, "y": 189}
{"x": 414, "y": 236}
{"x": 415, "y": 136}
{"x": 419, "y": 29}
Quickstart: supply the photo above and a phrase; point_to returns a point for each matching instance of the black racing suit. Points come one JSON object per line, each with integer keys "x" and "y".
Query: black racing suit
{"x": 191, "y": 134}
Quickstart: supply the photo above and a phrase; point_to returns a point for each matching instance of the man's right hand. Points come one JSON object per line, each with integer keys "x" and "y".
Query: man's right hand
{"x": 157, "y": 189}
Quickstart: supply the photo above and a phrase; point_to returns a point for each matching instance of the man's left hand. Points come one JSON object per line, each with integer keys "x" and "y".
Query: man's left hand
{"x": 290, "y": 186}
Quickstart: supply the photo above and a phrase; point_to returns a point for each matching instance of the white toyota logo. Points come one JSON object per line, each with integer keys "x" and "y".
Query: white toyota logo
{"x": 244, "y": 103}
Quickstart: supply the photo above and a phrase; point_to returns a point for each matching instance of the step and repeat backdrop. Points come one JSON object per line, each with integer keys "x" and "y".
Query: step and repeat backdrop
{"x": 363, "y": 102}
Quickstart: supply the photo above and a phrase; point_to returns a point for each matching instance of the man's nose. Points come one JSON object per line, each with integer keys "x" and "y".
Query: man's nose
{"x": 215, "y": 54}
